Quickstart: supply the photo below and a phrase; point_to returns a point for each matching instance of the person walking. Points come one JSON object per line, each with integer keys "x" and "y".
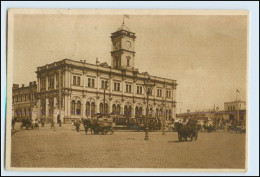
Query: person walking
{"x": 52, "y": 124}
{"x": 58, "y": 120}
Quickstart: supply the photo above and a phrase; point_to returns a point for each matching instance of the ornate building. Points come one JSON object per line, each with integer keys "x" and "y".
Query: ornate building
{"x": 86, "y": 89}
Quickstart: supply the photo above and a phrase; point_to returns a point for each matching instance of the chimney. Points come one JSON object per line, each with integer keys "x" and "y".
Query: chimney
{"x": 34, "y": 82}
{"x": 22, "y": 85}
{"x": 30, "y": 84}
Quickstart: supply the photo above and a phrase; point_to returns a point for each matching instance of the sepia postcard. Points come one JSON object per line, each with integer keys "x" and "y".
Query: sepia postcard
{"x": 127, "y": 90}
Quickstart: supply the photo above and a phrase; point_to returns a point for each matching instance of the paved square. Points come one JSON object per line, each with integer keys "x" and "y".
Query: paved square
{"x": 64, "y": 147}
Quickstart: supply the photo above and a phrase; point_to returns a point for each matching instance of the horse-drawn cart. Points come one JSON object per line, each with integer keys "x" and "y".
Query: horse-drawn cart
{"x": 101, "y": 125}
{"x": 26, "y": 123}
{"x": 185, "y": 131}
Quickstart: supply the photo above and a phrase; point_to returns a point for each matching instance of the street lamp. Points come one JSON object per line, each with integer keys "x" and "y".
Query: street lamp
{"x": 148, "y": 86}
{"x": 104, "y": 101}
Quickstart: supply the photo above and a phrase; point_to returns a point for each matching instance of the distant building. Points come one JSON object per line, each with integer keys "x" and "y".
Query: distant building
{"x": 217, "y": 117}
{"x": 235, "y": 105}
{"x": 24, "y": 98}
{"x": 236, "y": 110}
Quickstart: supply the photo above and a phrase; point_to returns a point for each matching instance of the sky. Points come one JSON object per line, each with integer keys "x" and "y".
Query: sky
{"x": 207, "y": 55}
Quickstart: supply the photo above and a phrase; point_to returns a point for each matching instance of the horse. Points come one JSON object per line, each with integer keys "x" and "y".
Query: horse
{"x": 189, "y": 130}
{"x": 89, "y": 124}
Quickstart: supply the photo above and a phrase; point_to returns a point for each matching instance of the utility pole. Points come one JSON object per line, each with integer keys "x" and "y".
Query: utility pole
{"x": 104, "y": 102}
{"x": 164, "y": 116}
{"x": 60, "y": 95}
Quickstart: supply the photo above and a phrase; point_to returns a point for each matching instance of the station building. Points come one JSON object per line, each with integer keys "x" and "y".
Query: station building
{"x": 86, "y": 89}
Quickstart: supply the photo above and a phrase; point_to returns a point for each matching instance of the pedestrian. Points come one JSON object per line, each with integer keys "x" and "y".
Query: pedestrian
{"x": 77, "y": 125}
{"x": 52, "y": 124}
{"x": 59, "y": 121}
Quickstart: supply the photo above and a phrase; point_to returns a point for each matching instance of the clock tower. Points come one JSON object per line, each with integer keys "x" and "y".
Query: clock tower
{"x": 123, "y": 48}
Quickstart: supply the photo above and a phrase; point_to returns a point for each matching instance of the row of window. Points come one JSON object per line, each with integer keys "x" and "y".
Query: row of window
{"x": 231, "y": 108}
{"x": 24, "y": 97}
{"x": 50, "y": 82}
{"x": 116, "y": 109}
{"x": 104, "y": 84}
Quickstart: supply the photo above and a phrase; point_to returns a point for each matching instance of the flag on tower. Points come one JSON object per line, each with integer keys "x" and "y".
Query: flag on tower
{"x": 126, "y": 16}
{"x": 237, "y": 91}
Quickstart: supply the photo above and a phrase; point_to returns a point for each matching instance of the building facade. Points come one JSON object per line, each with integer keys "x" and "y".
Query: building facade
{"x": 23, "y": 100}
{"x": 237, "y": 111}
{"x": 84, "y": 89}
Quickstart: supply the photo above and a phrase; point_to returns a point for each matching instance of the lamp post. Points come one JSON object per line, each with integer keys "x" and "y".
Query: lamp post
{"x": 104, "y": 102}
{"x": 148, "y": 86}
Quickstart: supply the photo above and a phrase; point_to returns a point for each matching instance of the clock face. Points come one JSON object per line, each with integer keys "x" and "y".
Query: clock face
{"x": 117, "y": 44}
{"x": 128, "y": 44}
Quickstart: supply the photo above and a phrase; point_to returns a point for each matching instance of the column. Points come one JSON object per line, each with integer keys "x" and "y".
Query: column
{"x": 98, "y": 80}
{"x": 83, "y": 79}
{"x": 110, "y": 106}
{"x": 55, "y": 81}
{"x": 39, "y": 108}
{"x": 69, "y": 107}
{"x": 38, "y": 84}
{"x": 110, "y": 85}
{"x": 66, "y": 106}
{"x": 134, "y": 88}
{"x": 123, "y": 86}
{"x": 47, "y": 107}
{"x": 83, "y": 106}
{"x": 55, "y": 109}
{"x": 97, "y": 106}
{"x": 69, "y": 78}
{"x": 133, "y": 110}
{"x": 47, "y": 82}
{"x": 121, "y": 109}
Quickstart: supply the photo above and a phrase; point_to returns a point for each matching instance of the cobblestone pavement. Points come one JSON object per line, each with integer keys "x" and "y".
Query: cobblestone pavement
{"x": 64, "y": 147}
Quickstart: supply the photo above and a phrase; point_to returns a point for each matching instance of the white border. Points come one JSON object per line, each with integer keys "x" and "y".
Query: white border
{"x": 253, "y": 162}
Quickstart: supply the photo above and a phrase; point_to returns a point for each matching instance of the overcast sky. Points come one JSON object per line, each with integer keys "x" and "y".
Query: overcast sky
{"x": 205, "y": 54}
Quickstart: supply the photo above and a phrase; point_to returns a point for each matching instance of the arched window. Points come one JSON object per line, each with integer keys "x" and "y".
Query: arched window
{"x": 78, "y": 111}
{"x": 114, "y": 109}
{"x": 125, "y": 110}
{"x": 106, "y": 108}
{"x": 92, "y": 108}
{"x": 101, "y": 108}
{"x": 118, "y": 109}
{"x": 140, "y": 111}
{"x": 87, "y": 108}
{"x": 129, "y": 111}
{"x": 136, "y": 111}
{"x": 72, "y": 106}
